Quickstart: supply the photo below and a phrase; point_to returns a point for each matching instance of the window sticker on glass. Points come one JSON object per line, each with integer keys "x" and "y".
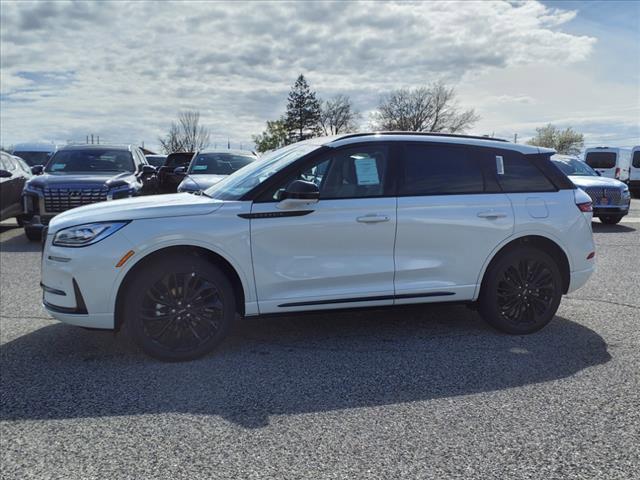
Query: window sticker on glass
{"x": 58, "y": 166}
{"x": 366, "y": 171}
{"x": 199, "y": 167}
{"x": 499, "y": 165}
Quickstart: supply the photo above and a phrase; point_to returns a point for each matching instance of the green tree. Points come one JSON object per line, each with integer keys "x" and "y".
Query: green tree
{"x": 566, "y": 142}
{"x": 303, "y": 111}
{"x": 275, "y": 136}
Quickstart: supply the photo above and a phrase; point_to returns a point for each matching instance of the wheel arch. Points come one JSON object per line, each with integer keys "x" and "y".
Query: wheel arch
{"x": 546, "y": 244}
{"x": 228, "y": 269}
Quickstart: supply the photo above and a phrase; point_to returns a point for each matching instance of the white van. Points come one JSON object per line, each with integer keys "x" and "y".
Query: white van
{"x": 612, "y": 162}
{"x": 634, "y": 171}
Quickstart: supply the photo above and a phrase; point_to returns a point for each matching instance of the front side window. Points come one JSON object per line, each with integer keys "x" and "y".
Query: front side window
{"x": 90, "y": 160}
{"x": 355, "y": 172}
{"x": 440, "y": 170}
{"x": 601, "y": 159}
{"x": 219, "y": 163}
{"x": 520, "y": 174}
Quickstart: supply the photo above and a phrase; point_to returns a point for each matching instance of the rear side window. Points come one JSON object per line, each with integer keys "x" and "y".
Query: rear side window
{"x": 439, "y": 170}
{"x": 520, "y": 174}
{"x": 636, "y": 159}
{"x": 601, "y": 159}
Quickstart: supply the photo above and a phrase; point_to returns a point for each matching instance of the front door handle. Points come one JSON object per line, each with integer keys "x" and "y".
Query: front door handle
{"x": 492, "y": 214}
{"x": 373, "y": 218}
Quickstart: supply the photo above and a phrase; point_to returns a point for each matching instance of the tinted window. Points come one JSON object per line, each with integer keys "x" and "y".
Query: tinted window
{"x": 601, "y": 159}
{"x": 358, "y": 172}
{"x": 34, "y": 158}
{"x": 636, "y": 159}
{"x": 521, "y": 174}
{"x": 219, "y": 163}
{"x": 440, "y": 170}
{"x": 91, "y": 160}
{"x": 156, "y": 160}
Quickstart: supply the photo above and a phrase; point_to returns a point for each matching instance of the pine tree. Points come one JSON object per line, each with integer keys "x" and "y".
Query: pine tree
{"x": 303, "y": 110}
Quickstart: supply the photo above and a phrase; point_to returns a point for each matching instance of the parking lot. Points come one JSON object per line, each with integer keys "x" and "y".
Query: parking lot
{"x": 419, "y": 392}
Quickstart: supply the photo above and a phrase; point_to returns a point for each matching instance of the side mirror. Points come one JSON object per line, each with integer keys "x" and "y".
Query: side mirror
{"x": 180, "y": 170}
{"x": 5, "y": 174}
{"x": 37, "y": 169}
{"x": 298, "y": 194}
{"x": 148, "y": 169}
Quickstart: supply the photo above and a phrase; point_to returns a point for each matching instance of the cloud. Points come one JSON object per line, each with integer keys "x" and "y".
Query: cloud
{"x": 135, "y": 65}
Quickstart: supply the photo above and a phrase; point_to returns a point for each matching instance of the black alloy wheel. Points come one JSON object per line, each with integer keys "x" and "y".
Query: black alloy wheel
{"x": 179, "y": 308}
{"x": 521, "y": 291}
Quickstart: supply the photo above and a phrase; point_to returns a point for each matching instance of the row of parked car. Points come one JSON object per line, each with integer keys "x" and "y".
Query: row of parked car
{"x": 39, "y": 182}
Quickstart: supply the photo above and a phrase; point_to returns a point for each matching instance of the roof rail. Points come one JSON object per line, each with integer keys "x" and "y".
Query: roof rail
{"x": 426, "y": 134}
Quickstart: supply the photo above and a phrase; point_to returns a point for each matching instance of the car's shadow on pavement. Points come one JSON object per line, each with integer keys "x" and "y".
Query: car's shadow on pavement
{"x": 289, "y": 365}
{"x": 14, "y": 240}
{"x": 604, "y": 228}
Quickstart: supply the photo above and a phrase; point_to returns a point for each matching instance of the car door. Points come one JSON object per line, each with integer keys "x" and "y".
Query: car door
{"x": 336, "y": 253}
{"x": 451, "y": 216}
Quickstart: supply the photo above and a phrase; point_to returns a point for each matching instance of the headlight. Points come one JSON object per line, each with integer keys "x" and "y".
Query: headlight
{"x": 33, "y": 188}
{"x": 87, "y": 234}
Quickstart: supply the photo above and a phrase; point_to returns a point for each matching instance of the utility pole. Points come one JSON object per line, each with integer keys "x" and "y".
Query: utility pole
{"x": 92, "y": 139}
{"x": 87, "y": 139}
{"x": 228, "y": 144}
{"x": 98, "y": 142}
{"x": 515, "y": 138}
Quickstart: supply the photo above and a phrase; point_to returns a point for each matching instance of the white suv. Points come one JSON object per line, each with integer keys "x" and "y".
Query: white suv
{"x": 361, "y": 220}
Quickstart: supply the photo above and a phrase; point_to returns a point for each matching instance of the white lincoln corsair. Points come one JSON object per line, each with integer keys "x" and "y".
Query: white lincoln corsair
{"x": 361, "y": 220}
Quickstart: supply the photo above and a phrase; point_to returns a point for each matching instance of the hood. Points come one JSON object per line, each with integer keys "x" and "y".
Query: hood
{"x": 108, "y": 179}
{"x": 584, "y": 181}
{"x": 136, "y": 208}
{"x": 199, "y": 182}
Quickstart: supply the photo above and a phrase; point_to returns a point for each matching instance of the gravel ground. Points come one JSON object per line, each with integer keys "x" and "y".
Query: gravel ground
{"x": 420, "y": 392}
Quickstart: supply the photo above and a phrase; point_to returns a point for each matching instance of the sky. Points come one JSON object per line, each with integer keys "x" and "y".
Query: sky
{"x": 125, "y": 70}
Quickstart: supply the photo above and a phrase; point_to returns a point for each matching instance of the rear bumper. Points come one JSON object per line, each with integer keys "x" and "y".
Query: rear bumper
{"x": 579, "y": 278}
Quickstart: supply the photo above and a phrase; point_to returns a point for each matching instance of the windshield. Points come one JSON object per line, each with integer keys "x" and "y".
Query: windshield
{"x": 235, "y": 186}
{"x": 219, "y": 163}
{"x": 90, "y": 160}
{"x": 575, "y": 168}
{"x": 601, "y": 159}
{"x": 34, "y": 158}
{"x": 156, "y": 160}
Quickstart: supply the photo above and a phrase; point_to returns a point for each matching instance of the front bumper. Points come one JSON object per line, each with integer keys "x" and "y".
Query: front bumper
{"x": 610, "y": 210}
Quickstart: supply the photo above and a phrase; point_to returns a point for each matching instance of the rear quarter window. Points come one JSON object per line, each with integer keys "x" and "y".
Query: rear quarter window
{"x": 521, "y": 174}
{"x": 601, "y": 159}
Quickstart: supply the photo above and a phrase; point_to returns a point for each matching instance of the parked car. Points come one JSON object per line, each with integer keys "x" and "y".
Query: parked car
{"x": 34, "y": 153}
{"x": 156, "y": 160}
{"x": 14, "y": 173}
{"x": 80, "y": 175}
{"x": 396, "y": 219}
{"x": 611, "y": 198}
{"x": 609, "y": 162}
{"x": 168, "y": 179}
{"x": 634, "y": 172}
{"x": 209, "y": 167}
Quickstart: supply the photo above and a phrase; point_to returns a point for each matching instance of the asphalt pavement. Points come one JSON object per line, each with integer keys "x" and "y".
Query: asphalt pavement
{"x": 413, "y": 392}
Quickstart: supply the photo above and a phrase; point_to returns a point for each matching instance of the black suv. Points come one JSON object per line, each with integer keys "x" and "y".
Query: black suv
{"x": 79, "y": 175}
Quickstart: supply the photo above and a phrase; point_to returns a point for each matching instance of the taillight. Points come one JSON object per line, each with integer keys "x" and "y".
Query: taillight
{"x": 618, "y": 172}
{"x": 585, "y": 207}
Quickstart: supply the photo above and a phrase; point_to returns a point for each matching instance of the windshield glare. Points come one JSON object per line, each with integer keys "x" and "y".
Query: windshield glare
{"x": 235, "y": 186}
{"x": 218, "y": 163}
{"x": 575, "y": 168}
{"x": 93, "y": 160}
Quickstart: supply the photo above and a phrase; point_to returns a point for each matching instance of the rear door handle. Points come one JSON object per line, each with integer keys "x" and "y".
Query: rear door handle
{"x": 373, "y": 218}
{"x": 492, "y": 214}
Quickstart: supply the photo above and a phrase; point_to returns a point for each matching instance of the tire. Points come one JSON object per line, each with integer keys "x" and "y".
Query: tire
{"x": 178, "y": 308}
{"x": 509, "y": 303}
{"x": 33, "y": 234}
{"x": 610, "y": 219}
{"x": 20, "y": 221}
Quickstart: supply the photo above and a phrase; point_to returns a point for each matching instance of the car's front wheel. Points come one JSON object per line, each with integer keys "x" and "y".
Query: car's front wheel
{"x": 179, "y": 308}
{"x": 521, "y": 291}
{"x": 610, "y": 219}
{"x": 34, "y": 234}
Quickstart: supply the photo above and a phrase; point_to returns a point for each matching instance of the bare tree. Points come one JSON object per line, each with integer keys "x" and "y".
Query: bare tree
{"x": 338, "y": 116}
{"x": 186, "y": 135}
{"x": 424, "y": 109}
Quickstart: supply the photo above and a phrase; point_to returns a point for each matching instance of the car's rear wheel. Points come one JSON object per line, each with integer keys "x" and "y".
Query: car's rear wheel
{"x": 610, "y": 219}
{"x": 521, "y": 291}
{"x": 179, "y": 308}
{"x": 34, "y": 234}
